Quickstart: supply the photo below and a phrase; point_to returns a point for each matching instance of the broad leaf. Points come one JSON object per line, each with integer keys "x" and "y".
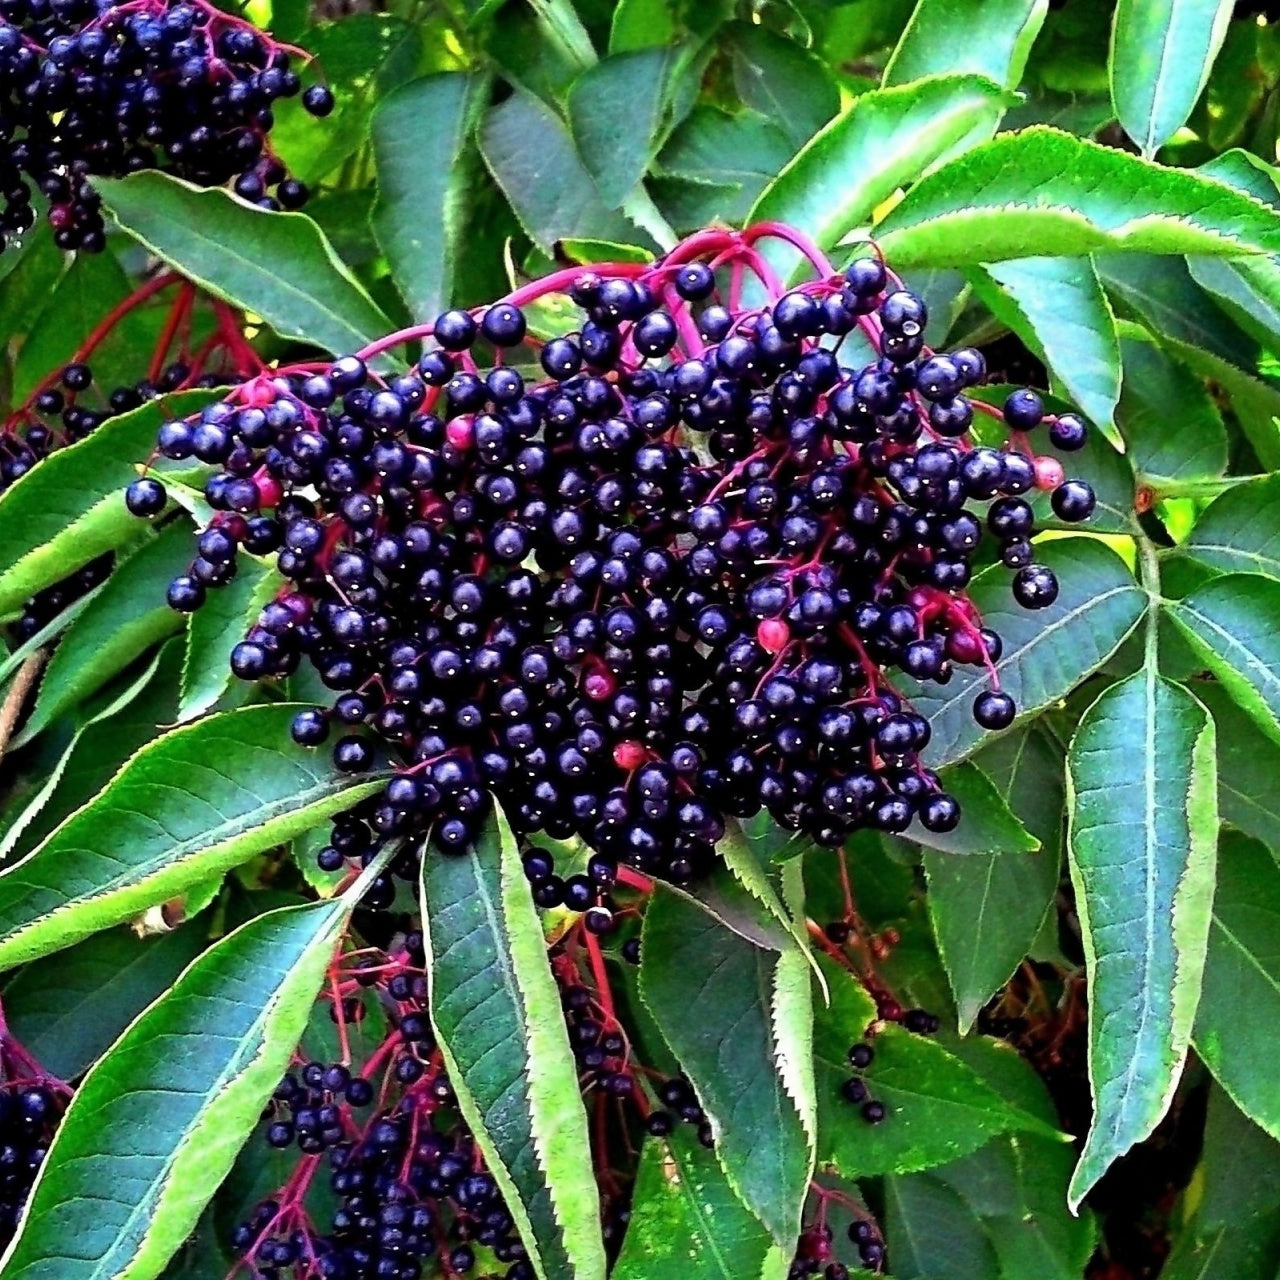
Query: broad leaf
{"x": 277, "y": 265}
{"x": 1057, "y": 306}
{"x": 1248, "y": 765}
{"x": 642, "y": 24}
{"x": 426, "y": 178}
{"x": 190, "y": 805}
{"x": 988, "y": 909}
{"x": 711, "y": 994}
{"x": 878, "y": 143}
{"x": 1068, "y": 197}
{"x": 1047, "y": 652}
{"x": 1161, "y": 54}
{"x": 496, "y": 1011}
{"x": 782, "y": 80}
{"x": 987, "y": 824}
{"x": 1243, "y": 973}
{"x": 107, "y": 1204}
{"x": 986, "y": 37}
{"x": 1143, "y": 814}
{"x": 686, "y": 1217}
{"x": 1229, "y": 535}
{"x": 127, "y": 617}
{"x": 70, "y": 509}
{"x": 932, "y": 1233}
{"x": 67, "y": 1010}
{"x": 1233, "y": 623}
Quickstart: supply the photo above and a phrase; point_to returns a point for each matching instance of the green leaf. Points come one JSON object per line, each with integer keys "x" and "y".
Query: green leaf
{"x": 1161, "y": 54}
{"x": 1241, "y": 998}
{"x": 105, "y": 1203}
{"x": 987, "y": 824}
{"x": 1046, "y": 653}
{"x": 687, "y": 1219}
{"x": 1157, "y": 392}
{"x": 1248, "y": 765}
{"x": 125, "y": 619}
{"x": 782, "y": 80}
{"x": 991, "y": 38}
{"x": 642, "y": 24}
{"x": 67, "y": 1010}
{"x": 1229, "y": 534}
{"x": 217, "y": 627}
{"x": 710, "y": 992}
{"x": 1068, "y": 197}
{"x": 425, "y": 182}
{"x": 196, "y": 802}
{"x": 933, "y": 1232}
{"x": 987, "y": 909}
{"x": 1143, "y": 820}
{"x": 1233, "y": 623}
{"x": 496, "y": 1011}
{"x": 532, "y": 157}
{"x": 70, "y": 509}
{"x": 880, "y": 142}
{"x": 1058, "y": 307}
{"x": 939, "y": 1108}
{"x": 277, "y": 265}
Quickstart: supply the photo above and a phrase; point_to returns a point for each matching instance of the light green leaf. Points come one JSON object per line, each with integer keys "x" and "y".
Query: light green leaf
{"x": 991, "y": 38}
{"x": 496, "y": 1011}
{"x": 426, "y": 180}
{"x": 1233, "y": 623}
{"x": 1067, "y": 197}
{"x": 105, "y": 1203}
{"x": 1229, "y": 535}
{"x": 642, "y": 24}
{"x": 277, "y": 265}
{"x": 1161, "y": 54}
{"x": 193, "y": 803}
{"x": 1058, "y": 307}
{"x": 1143, "y": 820}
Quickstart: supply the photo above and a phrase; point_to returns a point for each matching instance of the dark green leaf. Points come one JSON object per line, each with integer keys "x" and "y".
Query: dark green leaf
{"x": 1068, "y": 197}
{"x": 711, "y": 993}
{"x": 933, "y": 1233}
{"x": 125, "y": 619}
{"x": 782, "y": 80}
{"x": 1143, "y": 812}
{"x": 70, "y": 509}
{"x": 1229, "y": 535}
{"x": 986, "y": 37}
{"x": 1241, "y": 999}
{"x": 713, "y": 148}
{"x": 106, "y": 1203}
{"x": 1242, "y": 1163}
{"x": 987, "y": 826}
{"x": 496, "y": 1011}
{"x": 425, "y": 181}
{"x": 1161, "y": 55}
{"x": 192, "y": 804}
{"x": 1046, "y": 653}
{"x": 277, "y": 265}
{"x": 1233, "y": 622}
{"x": 66, "y": 1010}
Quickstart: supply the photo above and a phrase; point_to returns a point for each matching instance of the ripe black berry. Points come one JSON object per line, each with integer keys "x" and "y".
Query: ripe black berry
{"x": 146, "y": 497}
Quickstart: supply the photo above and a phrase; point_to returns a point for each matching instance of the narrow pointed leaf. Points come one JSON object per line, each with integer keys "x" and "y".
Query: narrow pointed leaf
{"x": 107, "y": 1203}
{"x": 277, "y": 265}
{"x": 1143, "y": 814}
{"x": 1047, "y": 652}
{"x": 497, "y": 1015}
{"x": 426, "y": 178}
{"x": 190, "y": 805}
{"x": 1057, "y": 306}
{"x": 1230, "y": 536}
{"x": 1161, "y": 54}
{"x": 1068, "y": 197}
{"x": 987, "y": 824}
{"x": 710, "y": 992}
{"x": 1233, "y": 622}
{"x": 986, "y": 37}
{"x": 1242, "y": 973}
{"x": 70, "y": 509}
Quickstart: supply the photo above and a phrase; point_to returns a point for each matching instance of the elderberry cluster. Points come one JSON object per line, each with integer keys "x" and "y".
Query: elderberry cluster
{"x": 814, "y": 1250}
{"x": 638, "y": 576}
{"x": 31, "y": 1107}
{"x": 108, "y": 87}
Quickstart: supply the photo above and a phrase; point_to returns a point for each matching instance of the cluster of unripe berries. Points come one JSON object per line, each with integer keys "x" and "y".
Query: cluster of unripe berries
{"x": 108, "y": 87}
{"x": 636, "y": 577}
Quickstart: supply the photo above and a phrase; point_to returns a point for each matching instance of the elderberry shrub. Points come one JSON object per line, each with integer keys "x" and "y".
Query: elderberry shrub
{"x": 636, "y": 576}
{"x": 108, "y": 87}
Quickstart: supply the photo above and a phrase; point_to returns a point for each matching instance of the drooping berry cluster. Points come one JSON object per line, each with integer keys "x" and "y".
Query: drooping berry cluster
{"x": 816, "y": 1248}
{"x": 107, "y": 87}
{"x": 641, "y": 575}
